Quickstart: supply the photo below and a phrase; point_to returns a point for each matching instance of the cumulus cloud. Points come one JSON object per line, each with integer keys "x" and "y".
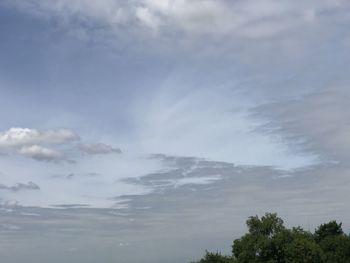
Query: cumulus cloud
{"x": 19, "y": 137}
{"x": 31, "y": 142}
{"x": 98, "y": 148}
{"x": 50, "y": 145}
{"x": 40, "y": 153}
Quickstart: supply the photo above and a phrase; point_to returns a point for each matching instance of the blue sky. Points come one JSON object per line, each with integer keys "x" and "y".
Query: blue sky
{"x": 107, "y": 105}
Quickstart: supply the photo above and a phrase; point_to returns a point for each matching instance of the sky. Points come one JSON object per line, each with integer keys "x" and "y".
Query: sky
{"x": 149, "y": 130}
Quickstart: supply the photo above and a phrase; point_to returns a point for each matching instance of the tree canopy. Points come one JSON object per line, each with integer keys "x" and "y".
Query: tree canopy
{"x": 269, "y": 241}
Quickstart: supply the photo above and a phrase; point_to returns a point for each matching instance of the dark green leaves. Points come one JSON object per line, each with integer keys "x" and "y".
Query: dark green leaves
{"x": 269, "y": 241}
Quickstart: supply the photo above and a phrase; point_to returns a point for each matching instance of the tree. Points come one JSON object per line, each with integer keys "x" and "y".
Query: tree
{"x": 330, "y": 229}
{"x": 302, "y": 250}
{"x": 268, "y": 225}
{"x": 334, "y": 243}
{"x": 269, "y": 241}
{"x": 336, "y": 249}
{"x": 265, "y": 241}
{"x": 215, "y": 258}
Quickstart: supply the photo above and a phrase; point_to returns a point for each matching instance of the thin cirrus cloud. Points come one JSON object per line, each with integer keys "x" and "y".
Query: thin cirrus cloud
{"x": 97, "y": 148}
{"x": 213, "y": 125}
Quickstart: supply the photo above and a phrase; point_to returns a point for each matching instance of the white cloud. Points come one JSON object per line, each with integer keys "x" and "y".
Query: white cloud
{"x": 49, "y": 145}
{"x": 19, "y": 137}
{"x": 148, "y": 18}
{"x": 40, "y": 153}
{"x": 32, "y": 143}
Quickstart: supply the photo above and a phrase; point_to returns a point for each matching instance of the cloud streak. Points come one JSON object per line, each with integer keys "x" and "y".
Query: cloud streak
{"x": 20, "y": 186}
{"x": 98, "y": 148}
{"x": 216, "y": 125}
{"x": 319, "y": 121}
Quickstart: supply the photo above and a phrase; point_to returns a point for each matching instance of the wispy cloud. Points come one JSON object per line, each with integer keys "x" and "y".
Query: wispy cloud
{"x": 20, "y": 186}
{"x": 246, "y": 101}
{"x": 252, "y": 19}
{"x": 98, "y": 148}
{"x": 319, "y": 121}
{"x": 212, "y": 124}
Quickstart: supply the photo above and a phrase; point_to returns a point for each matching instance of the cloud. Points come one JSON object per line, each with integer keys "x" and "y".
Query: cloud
{"x": 50, "y": 145}
{"x": 19, "y": 137}
{"x": 40, "y": 153}
{"x": 251, "y": 19}
{"x": 318, "y": 121}
{"x": 20, "y": 186}
{"x": 93, "y": 180}
{"x": 98, "y": 148}
{"x": 32, "y": 143}
{"x": 212, "y": 124}
{"x": 201, "y": 121}
{"x": 314, "y": 196}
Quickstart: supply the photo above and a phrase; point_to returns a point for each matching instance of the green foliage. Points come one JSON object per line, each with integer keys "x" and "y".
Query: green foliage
{"x": 336, "y": 249}
{"x": 215, "y": 258}
{"x": 330, "y": 229}
{"x": 268, "y": 225}
{"x": 269, "y": 241}
{"x": 303, "y": 251}
{"x": 333, "y": 242}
